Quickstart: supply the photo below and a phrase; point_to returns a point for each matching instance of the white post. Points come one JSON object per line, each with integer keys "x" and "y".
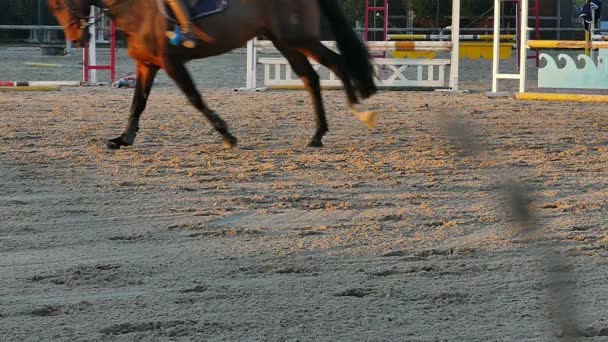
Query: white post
{"x": 454, "y": 67}
{"x": 101, "y": 39}
{"x": 592, "y": 32}
{"x": 92, "y": 48}
{"x": 254, "y": 64}
{"x": 410, "y": 21}
{"x": 522, "y": 49}
{"x": 523, "y": 53}
{"x": 496, "y": 46}
{"x": 251, "y": 64}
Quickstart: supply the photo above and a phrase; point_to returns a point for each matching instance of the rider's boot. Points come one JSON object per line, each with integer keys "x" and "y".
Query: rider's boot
{"x": 182, "y": 35}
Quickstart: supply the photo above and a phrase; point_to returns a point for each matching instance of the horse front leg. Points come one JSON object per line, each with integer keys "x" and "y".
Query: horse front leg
{"x": 300, "y": 65}
{"x": 178, "y": 72}
{"x": 145, "y": 79}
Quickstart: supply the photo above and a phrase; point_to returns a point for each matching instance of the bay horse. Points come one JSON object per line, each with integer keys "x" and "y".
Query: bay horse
{"x": 292, "y": 25}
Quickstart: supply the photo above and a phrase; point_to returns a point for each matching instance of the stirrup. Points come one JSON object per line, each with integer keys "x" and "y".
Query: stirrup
{"x": 177, "y": 37}
{"x": 188, "y": 42}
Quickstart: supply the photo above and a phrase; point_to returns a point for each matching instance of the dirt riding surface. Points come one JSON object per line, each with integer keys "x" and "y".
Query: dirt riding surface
{"x": 386, "y": 234}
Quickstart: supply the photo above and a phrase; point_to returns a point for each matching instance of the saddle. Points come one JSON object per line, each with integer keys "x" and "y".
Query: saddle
{"x": 200, "y": 9}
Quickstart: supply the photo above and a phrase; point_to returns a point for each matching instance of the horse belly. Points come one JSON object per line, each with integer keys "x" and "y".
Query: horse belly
{"x": 295, "y": 19}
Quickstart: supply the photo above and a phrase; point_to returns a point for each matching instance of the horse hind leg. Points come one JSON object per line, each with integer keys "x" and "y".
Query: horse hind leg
{"x": 178, "y": 72}
{"x": 335, "y": 62}
{"x": 301, "y": 66}
{"x": 145, "y": 79}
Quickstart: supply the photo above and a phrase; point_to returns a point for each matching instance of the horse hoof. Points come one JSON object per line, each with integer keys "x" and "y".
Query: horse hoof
{"x": 114, "y": 144}
{"x": 230, "y": 142}
{"x": 315, "y": 143}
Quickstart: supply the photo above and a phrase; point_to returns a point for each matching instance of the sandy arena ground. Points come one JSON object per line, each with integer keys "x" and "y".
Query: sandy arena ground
{"x": 383, "y": 235}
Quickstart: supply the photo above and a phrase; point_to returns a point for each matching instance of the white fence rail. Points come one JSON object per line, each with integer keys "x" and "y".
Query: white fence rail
{"x": 393, "y": 73}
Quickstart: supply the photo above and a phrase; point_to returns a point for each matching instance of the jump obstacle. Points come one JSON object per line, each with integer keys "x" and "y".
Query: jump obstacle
{"x": 41, "y": 84}
{"x": 393, "y": 72}
{"x": 474, "y": 47}
{"x": 570, "y": 82}
{"x": 29, "y": 88}
{"x": 48, "y": 65}
{"x": 89, "y": 68}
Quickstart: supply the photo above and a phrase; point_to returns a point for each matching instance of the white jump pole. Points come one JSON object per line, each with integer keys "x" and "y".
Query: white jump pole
{"x": 252, "y": 67}
{"x": 251, "y": 64}
{"x": 523, "y": 51}
{"x": 592, "y": 30}
{"x": 455, "y": 63}
{"x": 92, "y": 49}
{"x": 379, "y": 46}
{"x": 496, "y": 45}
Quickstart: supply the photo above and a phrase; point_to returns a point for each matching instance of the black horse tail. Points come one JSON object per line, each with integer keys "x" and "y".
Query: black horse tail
{"x": 357, "y": 57}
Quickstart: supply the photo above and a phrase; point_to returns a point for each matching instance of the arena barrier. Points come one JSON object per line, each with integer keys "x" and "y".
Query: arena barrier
{"x": 472, "y": 46}
{"x": 394, "y": 73}
{"x": 566, "y": 82}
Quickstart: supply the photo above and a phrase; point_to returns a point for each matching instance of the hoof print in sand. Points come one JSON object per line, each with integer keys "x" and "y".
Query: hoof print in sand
{"x": 386, "y": 273}
{"x": 128, "y": 328}
{"x": 450, "y": 298}
{"x": 126, "y": 238}
{"x": 292, "y": 270}
{"x": 306, "y": 233}
{"x": 81, "y": 275}
{"x": 47, "y": 311}
{"x": 358, "y": 293}
{"x": 390, "y": 218}
{"x": 196, "y": 289}
{"x": 232, "y": 232}
{"x": 432, "y": 252}
{"x": 598, "y": 328}
{"x": 394, "y": 254}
